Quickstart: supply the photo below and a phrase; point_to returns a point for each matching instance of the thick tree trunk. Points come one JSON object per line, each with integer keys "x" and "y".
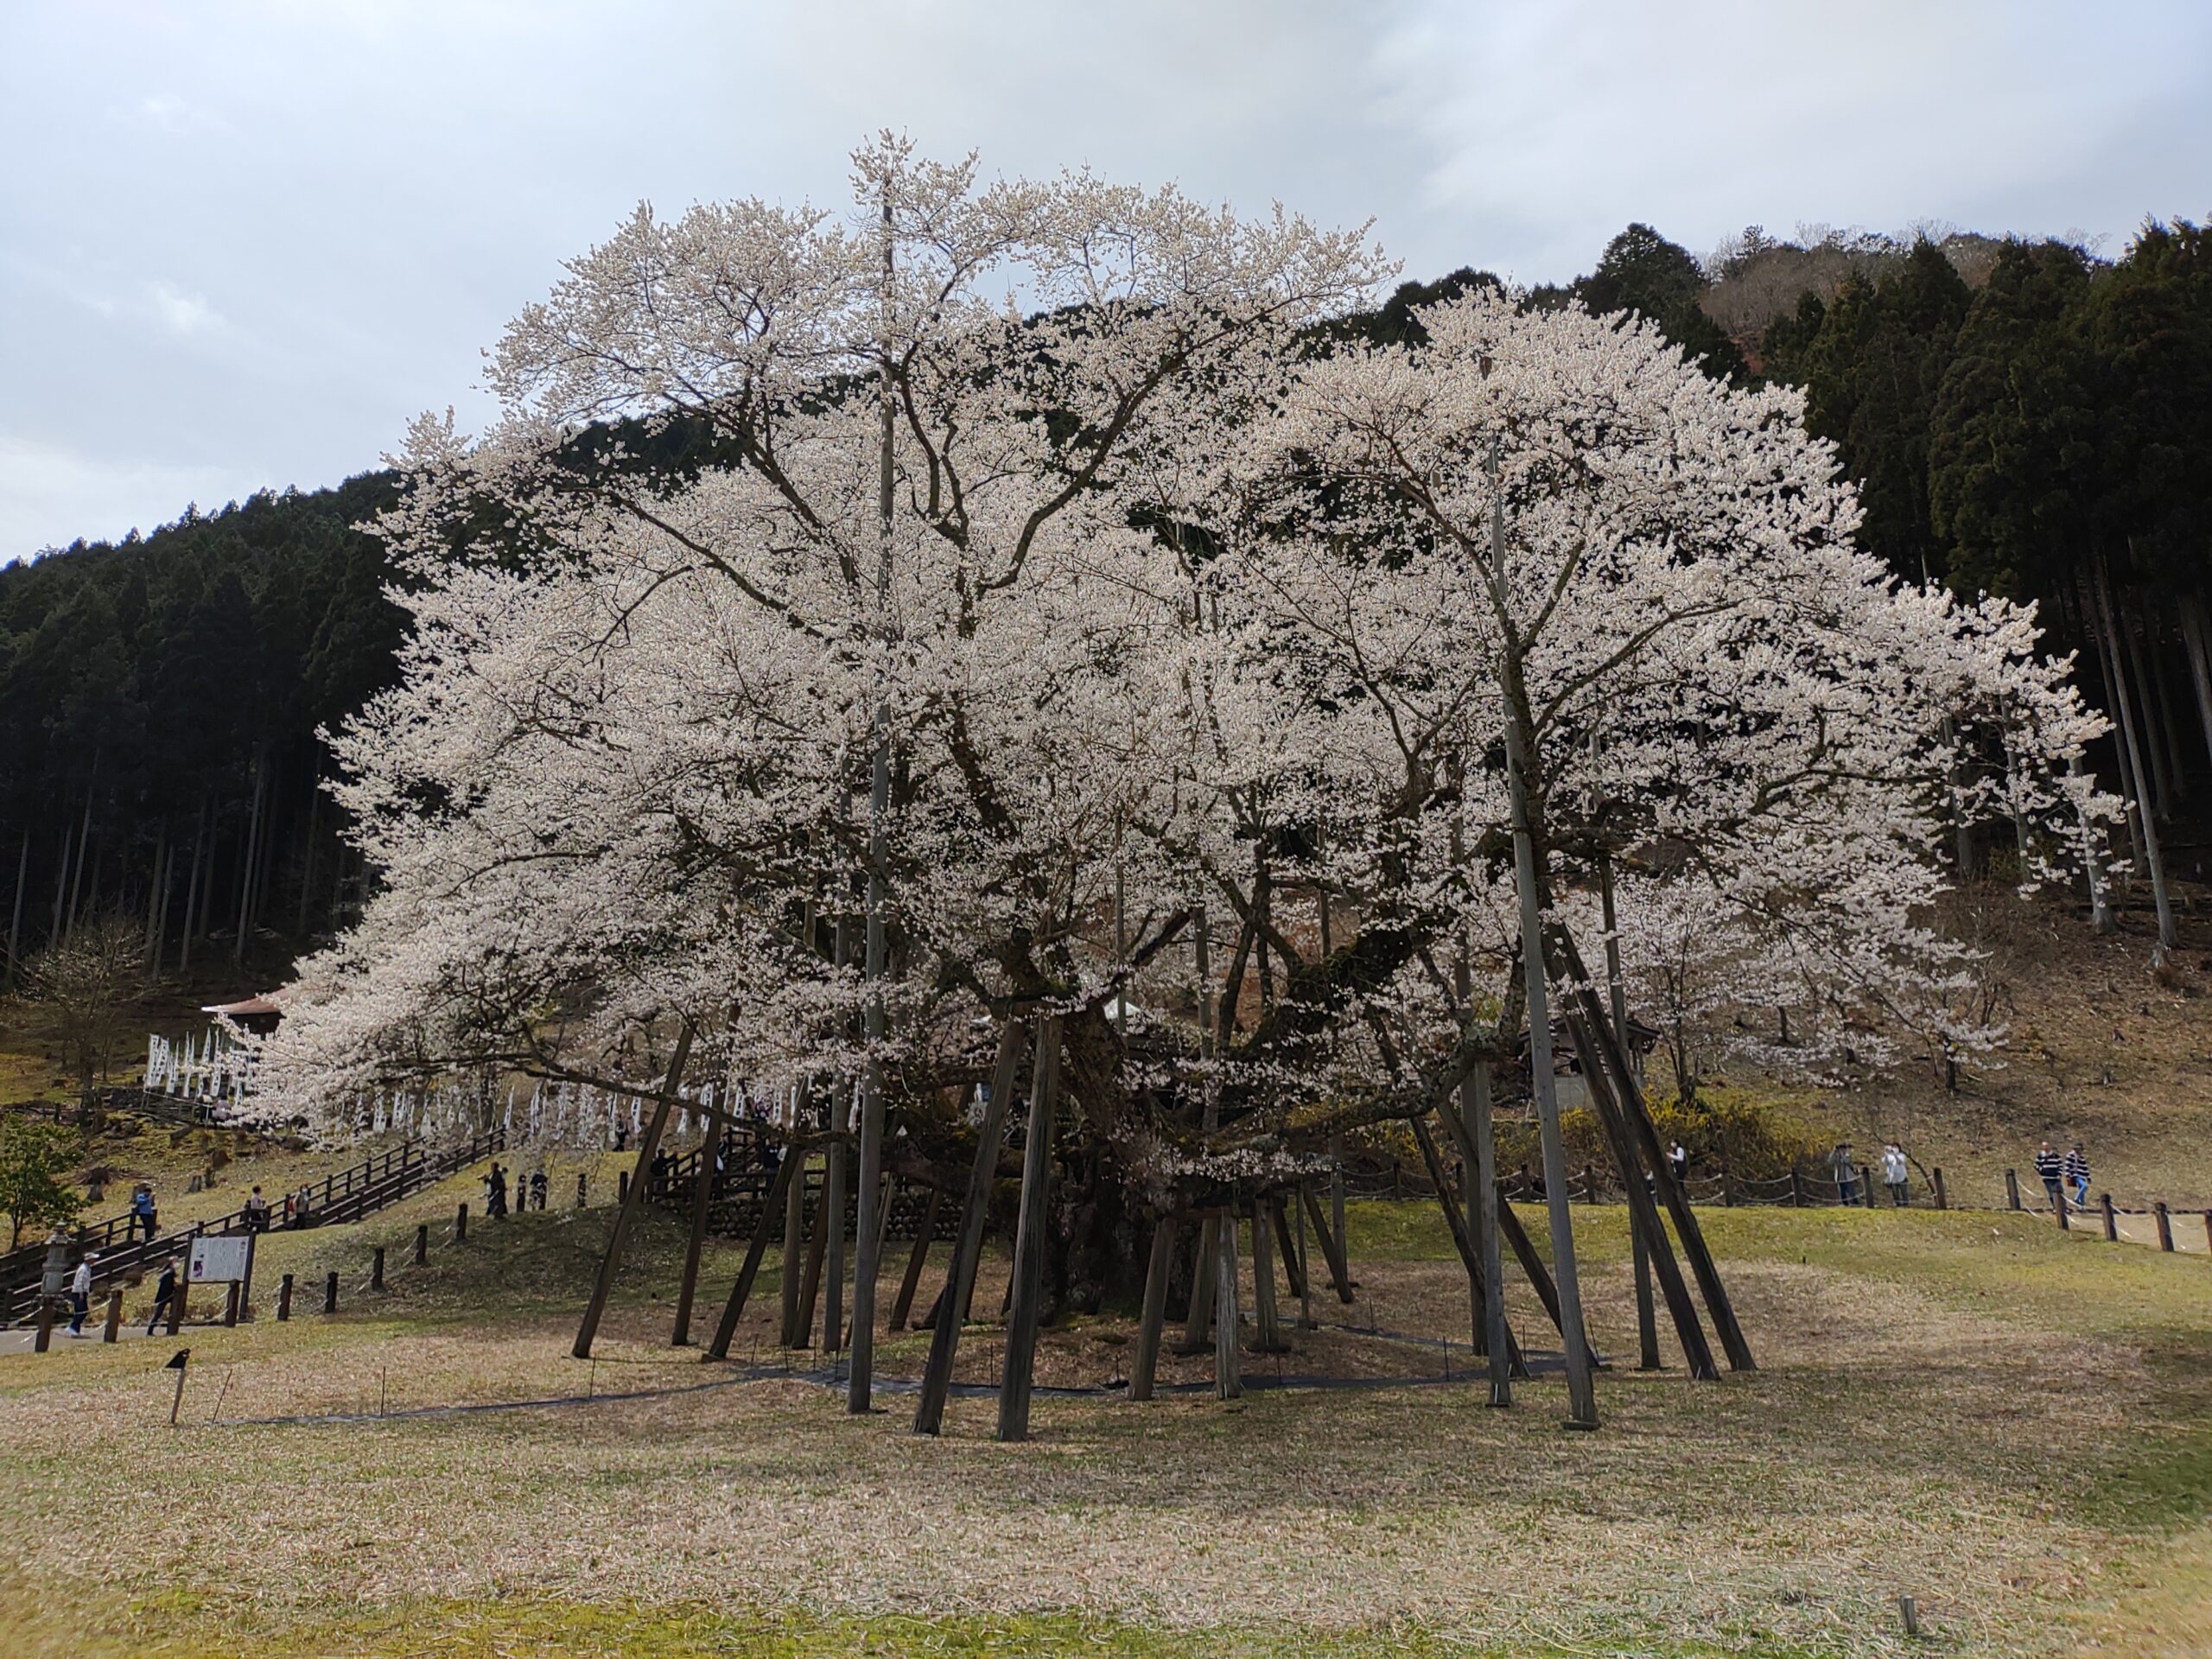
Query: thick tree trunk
{"x": 307, "y": 854}
{"x": 2167, "y": 935}
{"x": 2131, "y": 785}
{"x": 247, "y": 859}
{"x": 193, "y": 895}
{"x": 16, "y": 913}
{"x": 77, "y": 882}
{"x": 2145, "y": 704}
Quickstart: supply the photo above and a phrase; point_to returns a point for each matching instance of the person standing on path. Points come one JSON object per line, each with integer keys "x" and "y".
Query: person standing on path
{"x": 495, "y": 1191}
{"x": 81, "y": 1294}
{"x": 1846, "y": 1173}
{"x": 1895, "y": 1171}
{"x": 164, "y": 1294}
{"x": 2077, "y": 1175}
{"x": 257, "y": 1212}
{"x": 142, "y": 1213}
{"x": 2049, "y": 1168}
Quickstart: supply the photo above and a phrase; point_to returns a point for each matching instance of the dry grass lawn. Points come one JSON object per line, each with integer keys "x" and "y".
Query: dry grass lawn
{"x": 2007, "y": 1424}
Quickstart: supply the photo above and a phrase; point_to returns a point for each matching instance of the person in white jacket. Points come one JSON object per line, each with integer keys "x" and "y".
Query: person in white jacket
{"x": 81, "y": 1294}
{"x": 1895, "y": 1171}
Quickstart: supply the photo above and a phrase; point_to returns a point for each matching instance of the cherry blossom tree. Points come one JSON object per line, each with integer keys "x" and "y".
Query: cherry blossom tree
{"x": 1002, "y": 604}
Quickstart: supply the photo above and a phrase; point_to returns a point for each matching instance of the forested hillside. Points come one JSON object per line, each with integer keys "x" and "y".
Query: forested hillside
{"x": 159, "y": 700}
{"x": 2024, "y": 419}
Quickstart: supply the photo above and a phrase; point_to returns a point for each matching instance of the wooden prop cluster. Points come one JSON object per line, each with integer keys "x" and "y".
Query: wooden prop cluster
{"x": 1482, "y": 1224}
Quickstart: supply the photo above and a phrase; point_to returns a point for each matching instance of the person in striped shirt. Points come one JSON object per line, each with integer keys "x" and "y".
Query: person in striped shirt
{"x": 2077, "y": 1176}
{"x": 2051, "y": 1167}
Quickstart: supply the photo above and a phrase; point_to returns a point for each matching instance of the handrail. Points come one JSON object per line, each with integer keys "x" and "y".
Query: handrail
{"x": 379, "y": 1179}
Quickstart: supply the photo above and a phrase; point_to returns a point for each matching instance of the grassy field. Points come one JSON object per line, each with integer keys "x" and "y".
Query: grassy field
{"x": 2008, "y": 1424}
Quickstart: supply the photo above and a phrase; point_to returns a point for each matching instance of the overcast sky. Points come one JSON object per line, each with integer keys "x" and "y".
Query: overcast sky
{"x": 242, "y": 242}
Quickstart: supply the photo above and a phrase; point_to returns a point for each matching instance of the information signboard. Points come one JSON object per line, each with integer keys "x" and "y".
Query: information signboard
{"x": 220, "y": 1259}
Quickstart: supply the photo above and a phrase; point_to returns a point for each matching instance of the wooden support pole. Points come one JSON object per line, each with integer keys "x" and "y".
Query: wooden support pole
{"x": 2011, "y": 1190}
{"x": 786, "y": 1181}
{"x": 1019, "y": 1373}
{"x": 2112, "y": 1221}
{"x": 114, "y": 1326}
{"x": 2065, "y": 1225}
{"x": 1265, "y": 1321}
{"x": 817, "y": 1250}
{"x": 1942, "y": 1198}
{"x": 42, "y": 1338}
{"x": 230, "y": 1303}
{"x": 284, "y": 1299}
{"x": 1205, "y": 1261}
{"x": 1332, "y": 1252}
{"x": 1647, "y": 1319}
{"x": 903, "y": 1304}
{"x": 1636, "y": 1132}
{"x": 1453, "y": 1222}
{"x": 330, "y": 1292}
{"x": 1306, "y": 1320}
{"x": 1146, "y": 1367}
{"x": 1499, "y": 1348}
{"x": 1532, "y": 1265}
{"x": 421, "y": 1244}
{"x": 1228, "y": 1337}
{"x": 2166, "y": 1224}
{"x": 1294, "y": 1259}
{"x": 968, "y": 1242}
{"x": 1584, "y": 1015}
{"x": 1478, "y": 1280}
{"x": 460, "y": 1224}
{"x": 832, "y": 1212}
{"x": 793, "y": 1332}
{"x": 633, "y": 1200}
{"x": 2208, "y": 1229}
{"x": 703, "y": 1198}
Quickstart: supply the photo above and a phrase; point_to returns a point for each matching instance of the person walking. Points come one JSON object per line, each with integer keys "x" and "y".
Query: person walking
{"x": 143, "y": 1214}
{"x": 1678, "y": 1161}
{"x": 1845, "y": 1173}
{"x": 537, "y": 1190}
{"x": 2077, "y": 1176}
{"x": 81, "y": 1294}
{"x": 257, "y": 1211}
{"x": 1895, "y": 1171}
{"x": 164, "y": 1294}
{"x": 2050, "y": 1168}
{"x": 495, "y": 1192}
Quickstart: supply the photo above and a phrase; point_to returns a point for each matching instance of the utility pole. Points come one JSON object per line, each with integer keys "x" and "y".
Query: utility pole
{"x": 1582, "y": 1399}
{"x": 866, "y": 1246}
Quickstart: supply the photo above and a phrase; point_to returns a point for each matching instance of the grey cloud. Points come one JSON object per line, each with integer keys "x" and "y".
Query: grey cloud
{"x": 242, "y": 242}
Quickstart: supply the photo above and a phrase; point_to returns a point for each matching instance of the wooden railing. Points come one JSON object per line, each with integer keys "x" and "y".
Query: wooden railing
{"x": 357, "y": 1191}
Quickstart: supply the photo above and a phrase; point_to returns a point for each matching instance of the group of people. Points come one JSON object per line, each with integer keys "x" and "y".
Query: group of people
{"x": 1897, "y": 1172}
{"x": 2065, "y": 1175}
{"x": 529, "y": 1193}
